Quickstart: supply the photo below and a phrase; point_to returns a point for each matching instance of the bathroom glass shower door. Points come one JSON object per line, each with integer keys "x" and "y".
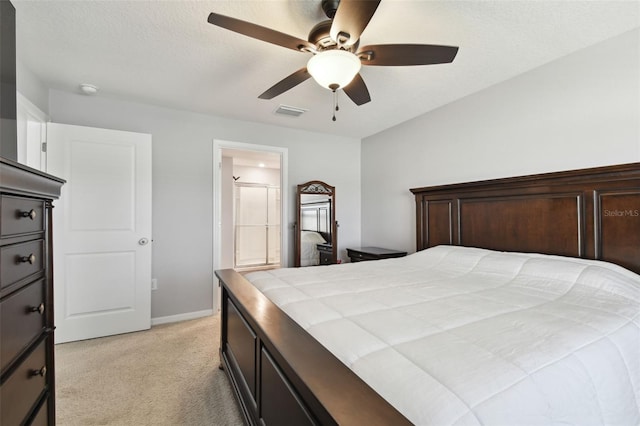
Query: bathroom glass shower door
{"x": 257, "y": 225}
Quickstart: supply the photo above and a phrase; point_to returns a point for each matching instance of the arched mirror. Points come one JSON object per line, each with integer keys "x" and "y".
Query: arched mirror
{"x": 316, "y": 226}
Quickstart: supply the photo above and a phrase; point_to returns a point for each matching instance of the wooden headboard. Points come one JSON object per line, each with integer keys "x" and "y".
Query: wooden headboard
{"x": 589, "y": 213}
{"x": 316, "y": 217}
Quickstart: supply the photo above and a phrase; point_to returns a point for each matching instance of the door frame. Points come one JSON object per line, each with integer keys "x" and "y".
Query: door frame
{"x": 218, "y": 145}
{"x": 28, "y": 115}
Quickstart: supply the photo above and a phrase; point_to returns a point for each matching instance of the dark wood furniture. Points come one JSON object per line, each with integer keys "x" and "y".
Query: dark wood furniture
{"x": 278, "y": 370}
{"x": 281, "y": 375}
{"x": 326, "y": 254}
{"x": 26, "y": 295}
{"x": 362, "y": 254}
{"x": 588, "y": 213}
{"x": 8, "y": 123}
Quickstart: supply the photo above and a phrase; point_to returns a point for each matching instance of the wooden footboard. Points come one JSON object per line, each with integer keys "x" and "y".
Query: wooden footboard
{"x": 283, "y": 376}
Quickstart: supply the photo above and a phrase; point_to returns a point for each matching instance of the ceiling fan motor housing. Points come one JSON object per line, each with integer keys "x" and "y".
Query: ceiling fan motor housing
{"x": 319, "y": 36}
{"x": 330, "y": 7}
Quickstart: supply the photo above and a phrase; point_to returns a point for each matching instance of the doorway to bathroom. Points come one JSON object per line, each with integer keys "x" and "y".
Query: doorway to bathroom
{"x": 249, "y": 193}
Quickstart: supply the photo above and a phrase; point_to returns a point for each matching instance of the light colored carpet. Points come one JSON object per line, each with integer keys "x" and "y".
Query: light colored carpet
{"x": 164, "y": 376}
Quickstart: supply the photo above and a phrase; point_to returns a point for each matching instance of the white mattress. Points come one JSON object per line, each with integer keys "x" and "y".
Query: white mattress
{"x": 463, "y": 336}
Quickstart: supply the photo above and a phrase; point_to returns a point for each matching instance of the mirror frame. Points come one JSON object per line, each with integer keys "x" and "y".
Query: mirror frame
{"x": 316, "y": 187}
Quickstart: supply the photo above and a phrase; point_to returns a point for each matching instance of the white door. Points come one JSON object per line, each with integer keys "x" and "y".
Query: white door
{"x": 102, "y": 231}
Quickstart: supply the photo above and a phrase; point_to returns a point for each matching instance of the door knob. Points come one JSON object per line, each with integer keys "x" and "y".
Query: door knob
{"x": 143, "y": 241}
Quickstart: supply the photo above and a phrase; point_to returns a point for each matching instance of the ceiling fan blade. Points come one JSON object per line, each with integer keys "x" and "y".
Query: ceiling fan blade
{"x": 285, "y": 84}
{"x": 357, "y": 91}
{"x": 259, "y": 32}
{"x": 406, "y": 54}
{"x": 351, "y": 19}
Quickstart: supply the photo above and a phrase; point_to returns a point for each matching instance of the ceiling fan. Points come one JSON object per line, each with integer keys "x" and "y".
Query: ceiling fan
{"x": 334, "y": 43}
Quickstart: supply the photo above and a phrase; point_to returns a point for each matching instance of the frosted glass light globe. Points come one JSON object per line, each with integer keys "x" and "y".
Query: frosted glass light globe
{"x": 334, "y": 69}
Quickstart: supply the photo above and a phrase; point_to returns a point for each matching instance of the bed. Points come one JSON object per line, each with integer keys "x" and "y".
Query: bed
{"x": 491, "y": 337}
{"x": 309, "y": 254}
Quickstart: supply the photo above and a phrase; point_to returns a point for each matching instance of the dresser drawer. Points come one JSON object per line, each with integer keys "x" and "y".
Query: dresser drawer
{"x": 22, "y": 320}
{"x": 41, "y": 417}
{"x": 373, "y": 253}
{"x": 18, "y": 261}
{"x": 22, "y": 390}
{"x": 356, "y": 256}
{"x": 325, "y": 258}
{"x": 325, "y": 251}
{"x": 21, "y": 215}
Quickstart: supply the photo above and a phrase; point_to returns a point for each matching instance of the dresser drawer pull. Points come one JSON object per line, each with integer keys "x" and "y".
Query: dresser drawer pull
{"x": 39, "y": 309}
{"x": 31, "y": 259}
{"x": 41, "y": 372}
{"x": 31, "y": 214}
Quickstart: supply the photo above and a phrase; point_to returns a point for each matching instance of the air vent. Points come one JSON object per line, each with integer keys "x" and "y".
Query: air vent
{"x": 291, "y": 111}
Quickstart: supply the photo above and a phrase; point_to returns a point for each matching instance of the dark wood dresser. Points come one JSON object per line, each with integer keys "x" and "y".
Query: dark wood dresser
{"x": 26, "y": 295}
{"x": 372, "y": 253}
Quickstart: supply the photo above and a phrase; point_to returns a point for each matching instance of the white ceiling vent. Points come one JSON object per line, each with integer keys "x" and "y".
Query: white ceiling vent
{"x": 291, "y": 111}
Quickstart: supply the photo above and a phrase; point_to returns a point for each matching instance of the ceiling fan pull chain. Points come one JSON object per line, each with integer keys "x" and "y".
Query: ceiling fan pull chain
{"x": 335, "y": 104}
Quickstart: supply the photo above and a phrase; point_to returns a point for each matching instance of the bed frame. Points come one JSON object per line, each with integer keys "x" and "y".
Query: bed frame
{"x": 322, "y": 221}
{"x": 282, "y": 376}
{"x": 588, "y": 213}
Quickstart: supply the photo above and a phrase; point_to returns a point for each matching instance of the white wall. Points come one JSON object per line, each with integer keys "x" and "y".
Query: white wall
{"x": 31, "y": 87}
{"x": 248, "y": 174}
{"x": 183, "y": 188}
{"x": 580, "y": 111}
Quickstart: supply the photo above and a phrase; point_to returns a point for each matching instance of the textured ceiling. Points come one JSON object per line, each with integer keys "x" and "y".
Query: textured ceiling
{"x": 165, "y": 53}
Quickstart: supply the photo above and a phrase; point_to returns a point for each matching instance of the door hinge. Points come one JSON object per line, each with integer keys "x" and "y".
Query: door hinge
{"x": 44, "y": 147}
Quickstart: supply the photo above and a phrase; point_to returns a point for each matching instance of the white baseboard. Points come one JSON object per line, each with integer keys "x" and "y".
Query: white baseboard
{"x": 181, "y": 317}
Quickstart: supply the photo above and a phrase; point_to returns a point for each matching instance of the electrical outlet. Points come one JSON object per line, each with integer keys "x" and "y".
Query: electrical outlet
{"x": 154, "y": 284}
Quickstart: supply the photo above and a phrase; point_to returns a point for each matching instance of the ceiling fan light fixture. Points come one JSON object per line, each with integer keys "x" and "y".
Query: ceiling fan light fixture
{"x": 334, "y": 69}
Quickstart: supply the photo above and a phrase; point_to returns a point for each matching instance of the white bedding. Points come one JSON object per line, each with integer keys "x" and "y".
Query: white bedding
{"x": 309, "y": 254}
{"x": 464, "y": 336}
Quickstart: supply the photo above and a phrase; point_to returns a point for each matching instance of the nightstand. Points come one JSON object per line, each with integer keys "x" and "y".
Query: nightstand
{"x": 372, "y": 253}
{"x": 326, "y": 254}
